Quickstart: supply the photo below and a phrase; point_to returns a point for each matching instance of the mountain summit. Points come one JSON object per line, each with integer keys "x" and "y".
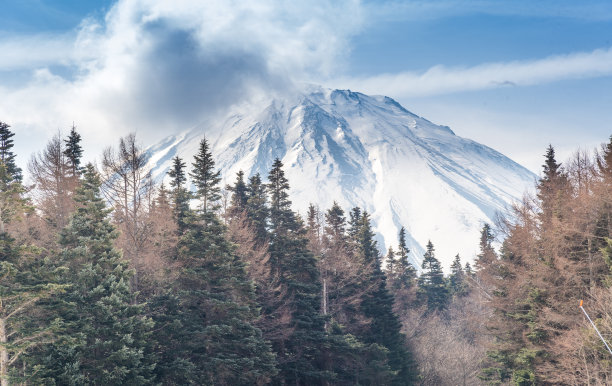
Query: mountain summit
{"x": 366, "y": 151}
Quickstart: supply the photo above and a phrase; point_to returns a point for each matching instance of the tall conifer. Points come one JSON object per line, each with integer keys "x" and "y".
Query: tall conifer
{"x": 300, "y": 356}
{"x": 107, "y": 336}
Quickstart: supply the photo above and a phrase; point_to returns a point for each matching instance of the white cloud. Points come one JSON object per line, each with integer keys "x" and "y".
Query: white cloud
{"x": 156, "y": 67}
{"x": 445, "y": 80}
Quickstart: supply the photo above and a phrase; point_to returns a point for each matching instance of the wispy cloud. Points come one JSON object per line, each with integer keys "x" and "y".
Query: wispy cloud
{"x": 419, "y": 10}
{"x": 446, "y": 80}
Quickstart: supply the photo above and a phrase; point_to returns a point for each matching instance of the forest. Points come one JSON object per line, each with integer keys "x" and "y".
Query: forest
{"x": 108, "y": 278}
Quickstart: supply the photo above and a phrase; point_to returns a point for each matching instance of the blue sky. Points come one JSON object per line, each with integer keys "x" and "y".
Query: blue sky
{"x": 512, "y": 75}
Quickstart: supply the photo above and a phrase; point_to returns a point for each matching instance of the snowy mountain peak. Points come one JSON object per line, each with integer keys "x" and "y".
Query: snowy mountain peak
{"x": 367, "y": 151}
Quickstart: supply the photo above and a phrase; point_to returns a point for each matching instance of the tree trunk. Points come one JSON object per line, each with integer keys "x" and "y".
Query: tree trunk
{"x": 3, "y": 354}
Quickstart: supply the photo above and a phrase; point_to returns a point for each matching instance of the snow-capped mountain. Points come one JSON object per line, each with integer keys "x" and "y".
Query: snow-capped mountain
{"x": 365, "y": 151}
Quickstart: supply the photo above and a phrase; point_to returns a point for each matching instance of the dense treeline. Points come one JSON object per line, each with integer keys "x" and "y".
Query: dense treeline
{"x": 108, "y": 278}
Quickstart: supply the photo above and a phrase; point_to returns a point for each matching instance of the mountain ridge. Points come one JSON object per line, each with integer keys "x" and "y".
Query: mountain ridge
{"x": 367, "y": 151}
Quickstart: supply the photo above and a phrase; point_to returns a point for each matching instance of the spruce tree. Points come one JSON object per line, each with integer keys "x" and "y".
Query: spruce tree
{"x": 406, "y": 273}
{"x": 211, "y": 337}
{"x": 256, "y": 207}
{"x": 25, "y": 282}
{"x": 180, "y": 194}
{"x": 73, "y": 151}
{"x": 300, "y": 356}
{"x": 7, "y": 157}
{"x": 390, "y": 268}
{"x": 553, "y": 189}
{"x": 106, "y": 337}
{"x": 457, "y": 280}
{"x": 206, "y": 179}
{"x": 239, "y": 199}
{"x": 377, "y": 305}
{"x": 432, "y": 286}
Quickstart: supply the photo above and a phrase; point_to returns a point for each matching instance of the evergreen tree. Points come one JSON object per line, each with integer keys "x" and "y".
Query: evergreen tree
{"x": 106, "y": 335}
{"x": 211, "y": 338}
{"x": 256, "y": 207}
{"x": 390, "y": 268}
{"x": 300, "y": 356}
{"x": 432, "y": 286}
{"x": 206, "y": 179}
{"x": 377, "y": 305}
{"x": 25, "y": 282}
{"x": 73, "y": 151}
{"x": 406, "y": 273}
{"x": 7, "y": 157}
{"x": 240, "y": 197}
{"x": 456, "y": 281}
{"x": 553, "y": 188}
{"x": 180, "y": 195}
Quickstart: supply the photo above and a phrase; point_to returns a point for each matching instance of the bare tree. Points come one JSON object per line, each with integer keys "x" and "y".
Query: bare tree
{"x": 54, "y": 189}
{"x": 129, "y": 186}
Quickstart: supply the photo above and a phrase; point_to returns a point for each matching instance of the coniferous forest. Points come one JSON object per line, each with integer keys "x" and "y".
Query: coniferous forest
{"x": 108, "y": 278}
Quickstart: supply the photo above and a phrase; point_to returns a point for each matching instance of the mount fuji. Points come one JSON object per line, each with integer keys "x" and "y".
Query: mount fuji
{"x": 366, "y": 151}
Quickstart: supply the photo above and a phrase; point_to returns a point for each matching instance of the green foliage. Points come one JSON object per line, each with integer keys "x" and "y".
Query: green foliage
{"x": 106, "y": 335}
{"x": 208, "y": 334}
{"x": 377, "y": 304}
{"x": 74, "y": 151}
{"x": 180, "y": 194}
{"x": 300, "y": 355}
{"x": 457, "y": 284}
{"x": 206, "y": 179}
{"x": 256, "y": 207}
{"x": 432, "y": 289}
{"x": 7, "y": 157}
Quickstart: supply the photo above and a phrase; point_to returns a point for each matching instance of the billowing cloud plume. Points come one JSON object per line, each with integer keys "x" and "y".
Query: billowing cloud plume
{"x": 161, "y": 66}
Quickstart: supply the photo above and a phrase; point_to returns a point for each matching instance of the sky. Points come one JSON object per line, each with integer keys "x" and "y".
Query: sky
{"x": 513, "y": 75}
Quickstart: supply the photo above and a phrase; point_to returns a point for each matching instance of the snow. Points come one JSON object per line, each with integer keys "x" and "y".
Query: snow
{"x": 367, "y": 151}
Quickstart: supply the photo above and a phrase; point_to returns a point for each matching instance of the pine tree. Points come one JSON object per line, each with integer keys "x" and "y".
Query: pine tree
{"x": 106, "y": 335}
{"x": 7, "y": 157}
{"x": 180, "y": 195}
{"x": 74, "y": 152}
{"x": 377, "y": 304}
{"x": 300, "y": 356}
{"x": 432, "y": 286}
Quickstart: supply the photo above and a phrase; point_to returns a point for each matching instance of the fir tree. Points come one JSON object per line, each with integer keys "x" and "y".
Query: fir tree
{"x": 406, "y": 273}
{"x": 390, "y": 268}
{"x": 206, "y": 179}
{"x": 377, "y": 304}
{"x": 301, "y": 354}
{"x": 432, "y": 286}
{"x": 256, "y": 207}
{"x": 180, "y": 195}
{"x": 25, "y": 282}
{"x": 7, "y": 157}
{"x": 240, "y": 197}
{"x": 217, "y": 342}
{"x": 553, "y": 188}
{"x": 106, "y": 337}
{"x": 74, "y": 152}
{"x": 456, "y": 281}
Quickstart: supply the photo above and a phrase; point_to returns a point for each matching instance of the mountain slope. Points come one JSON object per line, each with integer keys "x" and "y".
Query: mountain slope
{"x": 366, "y": 151}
